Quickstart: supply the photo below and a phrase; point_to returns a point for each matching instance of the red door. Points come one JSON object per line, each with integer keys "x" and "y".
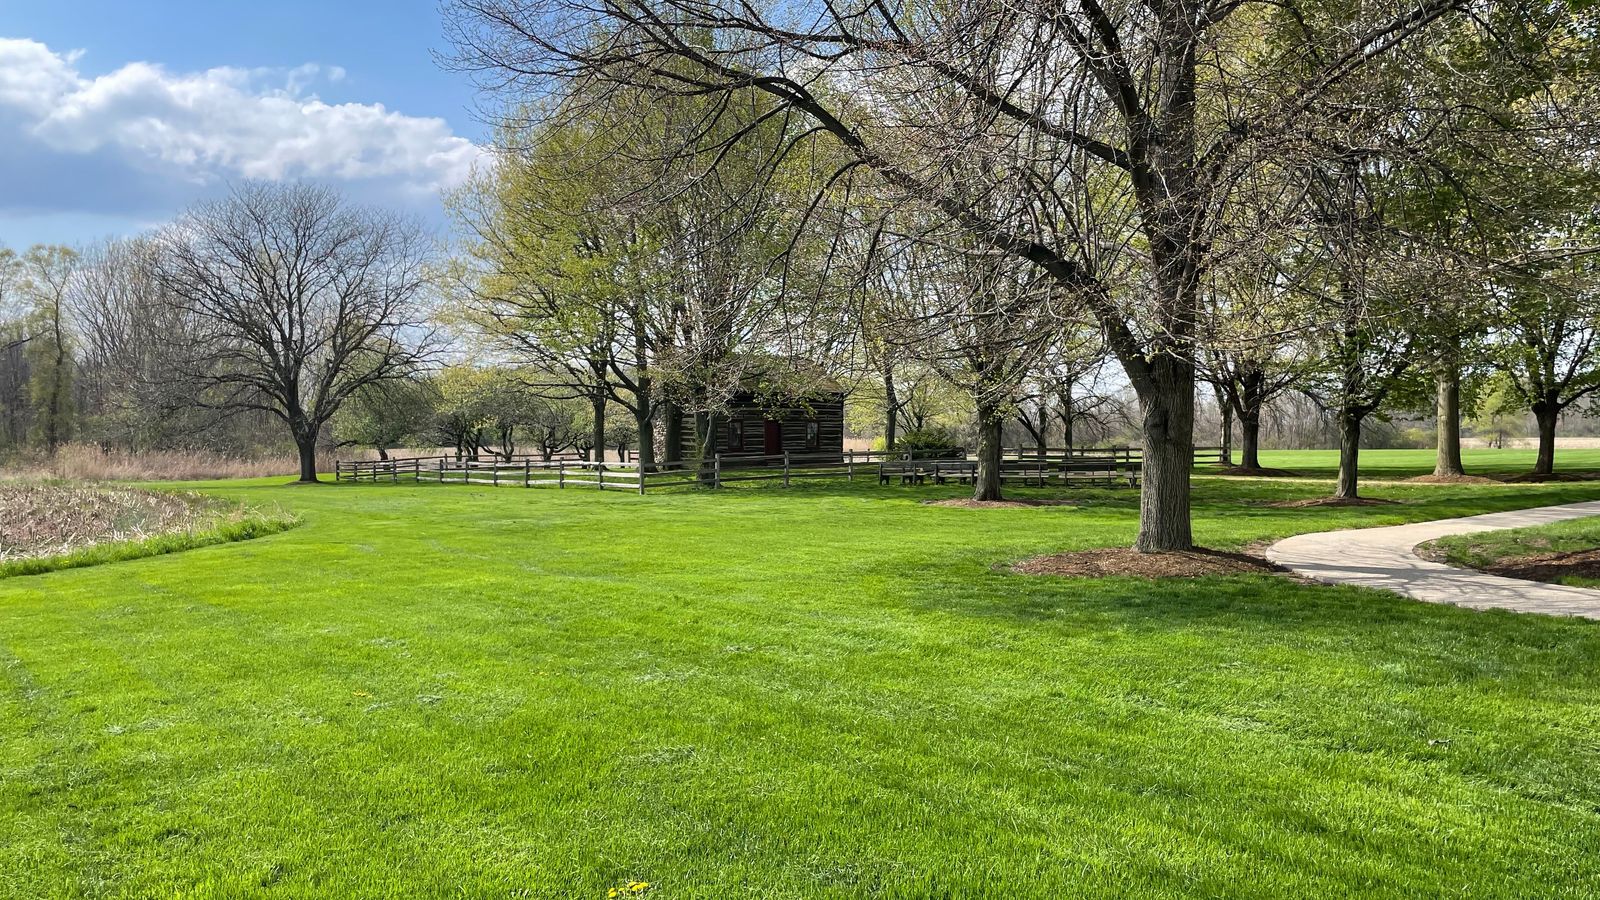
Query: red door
{"x": 772, "y": 445}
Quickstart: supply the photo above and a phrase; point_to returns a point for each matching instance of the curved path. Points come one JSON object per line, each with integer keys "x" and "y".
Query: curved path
{"x": 1382, "y": 558}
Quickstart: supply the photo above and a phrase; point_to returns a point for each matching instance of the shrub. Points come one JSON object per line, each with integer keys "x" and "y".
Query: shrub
{"x": 930, "y": 443}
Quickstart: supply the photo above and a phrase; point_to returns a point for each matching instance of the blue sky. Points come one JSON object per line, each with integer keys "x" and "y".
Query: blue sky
{"x": 115, "y": 115}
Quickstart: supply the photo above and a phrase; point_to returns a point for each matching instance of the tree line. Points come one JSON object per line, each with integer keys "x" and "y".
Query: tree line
{"x": 1330, "y": 198}
{"x": 974, "y": 206}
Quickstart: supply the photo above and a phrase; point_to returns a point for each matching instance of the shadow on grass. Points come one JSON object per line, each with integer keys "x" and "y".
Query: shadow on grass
{"x": 1263, "y": 611}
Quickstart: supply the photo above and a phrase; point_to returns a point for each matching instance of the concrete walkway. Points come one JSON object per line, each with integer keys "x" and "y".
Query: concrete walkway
{"x": 1383, "y": 558}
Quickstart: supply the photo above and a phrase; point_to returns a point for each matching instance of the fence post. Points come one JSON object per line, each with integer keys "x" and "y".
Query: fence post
{"x": 527, "y": 473}
{"x": 561, "y": 474}
{"x": 716, "y": 470}
{"x": 849, "y": 465}
{"x": 600, "y": 475}
{"x": 639, "y": 471}
{"x": 785, "y": 468}
{"x": 494, "y": 474}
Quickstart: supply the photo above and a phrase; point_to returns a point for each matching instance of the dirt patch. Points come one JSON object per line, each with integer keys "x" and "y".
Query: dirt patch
{"x": 1552, "y": 567}
{"x": 1332, "y": 501}
{"x": 1108, "y": 561}
{"x": 960, "y": 503}
{"x": 1249, "y": 472}
{"x": 1533, "y": 478}
{"x": 1452, "y": 479}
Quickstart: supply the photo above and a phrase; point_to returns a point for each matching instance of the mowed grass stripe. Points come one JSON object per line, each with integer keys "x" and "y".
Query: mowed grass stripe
{"x": 830, "y": 691}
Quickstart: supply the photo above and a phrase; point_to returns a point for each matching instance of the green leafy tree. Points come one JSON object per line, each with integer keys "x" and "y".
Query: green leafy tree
{"x": 45, "y": 275}
{"x": 388, "y": 414}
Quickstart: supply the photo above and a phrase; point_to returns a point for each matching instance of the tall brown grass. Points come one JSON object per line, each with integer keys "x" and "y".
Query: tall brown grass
{"x": 88, "y": 462}
{"x": 47, "y": 519}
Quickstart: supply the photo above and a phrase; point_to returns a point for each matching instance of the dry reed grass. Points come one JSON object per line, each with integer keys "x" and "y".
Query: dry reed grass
{"x": 38, "y": 520}
{"x": 88, "y": 462}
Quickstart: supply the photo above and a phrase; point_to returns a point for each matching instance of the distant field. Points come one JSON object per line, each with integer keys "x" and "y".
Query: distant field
{"x": 831, "y": 691}
{"x": 1407, "y": 463}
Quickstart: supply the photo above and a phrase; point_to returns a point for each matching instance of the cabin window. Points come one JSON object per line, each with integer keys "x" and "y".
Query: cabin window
{"x": 813, "y": 435}
{"x": 736, "y": 435}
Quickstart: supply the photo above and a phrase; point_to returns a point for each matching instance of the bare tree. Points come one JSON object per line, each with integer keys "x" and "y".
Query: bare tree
{"x": 1252, "y": 343}
{"x": 982, "y": 321}
{"x": 10, "y": 310}
{"x": 125, "y": 330}
{"x": 296, "y": 300}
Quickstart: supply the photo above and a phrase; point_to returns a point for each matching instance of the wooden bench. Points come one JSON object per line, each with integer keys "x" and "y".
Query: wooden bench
{"x": 908, "y": 471}
{"x": 1028, "y": 471}
{"x": 963, "y": 470}
{"x": 1101, "y": 471}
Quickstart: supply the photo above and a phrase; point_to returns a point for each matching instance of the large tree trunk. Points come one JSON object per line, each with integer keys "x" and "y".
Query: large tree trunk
{"x": 891, "y": 406}
{"x": 382, "y": 453}
{"x": 1250, "y": 440}
{"x": 308, "y": 457}
{"x": 1068, "y": 414}
{"x": 1252, "y": 399}
{"x": 597, "y": 436}
{"x": 672, "y": 432}
{"x": 1448, "y": 460}
{"x": 645, "y": 424}
{"x": 705, "y": 436}
{"x": 986, "y": 486}
{"x": 1349, "y": 453}
{"x": 1167, "y": 402}
{"x": 1227, "y": 430}
{"x": 1043, "y": 436}
{"x": 58, "y": 378}
{"x": 1546, "y": 412}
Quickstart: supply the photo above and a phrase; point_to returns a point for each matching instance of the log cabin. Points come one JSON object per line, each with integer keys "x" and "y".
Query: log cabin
{"x": 759, "y": 422}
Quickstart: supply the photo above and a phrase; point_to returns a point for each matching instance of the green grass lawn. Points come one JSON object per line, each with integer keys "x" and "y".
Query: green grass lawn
{"x": 832, "y": 691}
{"x": 1489, "y": 549}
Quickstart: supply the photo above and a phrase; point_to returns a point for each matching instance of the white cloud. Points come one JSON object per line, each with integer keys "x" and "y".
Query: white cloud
{"x": 223, "y": 122}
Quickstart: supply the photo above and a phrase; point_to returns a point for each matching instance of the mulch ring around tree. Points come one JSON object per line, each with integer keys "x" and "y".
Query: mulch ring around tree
{"x": 1452, "y": 479}
{"x": 1106, "y": 562}
{"x": 1552, "y": 567}
{"x": 1534, "y": 478}
{"x": 968, "y": 503}
{"x": 1253, "y": 472}
{"x": 1331, "y": 501}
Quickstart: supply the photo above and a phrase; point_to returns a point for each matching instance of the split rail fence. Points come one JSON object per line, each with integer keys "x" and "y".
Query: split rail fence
{"x": 1107, "y": 465}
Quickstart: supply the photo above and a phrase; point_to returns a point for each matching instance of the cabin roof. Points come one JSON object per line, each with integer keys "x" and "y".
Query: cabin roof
{"x": 765, "y": 373}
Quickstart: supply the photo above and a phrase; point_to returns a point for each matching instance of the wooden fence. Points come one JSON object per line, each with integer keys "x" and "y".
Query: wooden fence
{"x": 1075, "y": 465}
{"x": 1202, "y": 455}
